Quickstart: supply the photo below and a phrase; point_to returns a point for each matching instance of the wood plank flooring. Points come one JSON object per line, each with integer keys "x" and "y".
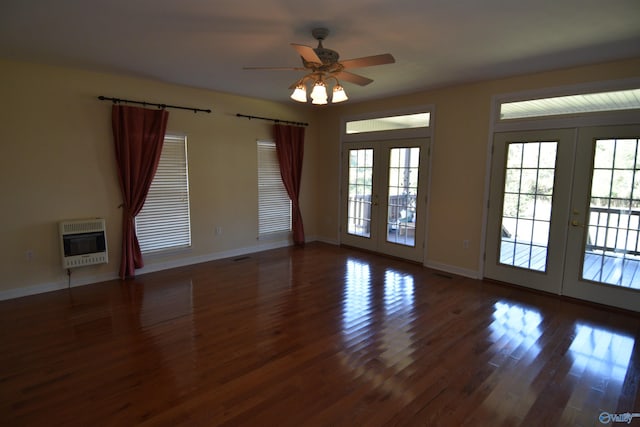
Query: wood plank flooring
{"x": 314, "y": 336}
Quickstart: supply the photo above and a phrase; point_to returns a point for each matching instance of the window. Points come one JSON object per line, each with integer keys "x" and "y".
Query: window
{"x": 379, "y": 124}
{"x": 274, "y": 205}
{"x": 164, "y": 221}
{"x": 571, "y": 104}
{"x": 526, "y": 209}
{"x": 405, "y": 123}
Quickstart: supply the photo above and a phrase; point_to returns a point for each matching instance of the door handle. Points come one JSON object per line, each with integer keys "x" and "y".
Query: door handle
{"x": 576, "y": 223}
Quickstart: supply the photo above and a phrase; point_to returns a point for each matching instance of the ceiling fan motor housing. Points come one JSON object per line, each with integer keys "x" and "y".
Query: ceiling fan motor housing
{"x": 327, "y": 56}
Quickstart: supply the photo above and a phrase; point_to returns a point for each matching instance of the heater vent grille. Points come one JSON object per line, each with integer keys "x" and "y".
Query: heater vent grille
{"x": 82, "y": 226}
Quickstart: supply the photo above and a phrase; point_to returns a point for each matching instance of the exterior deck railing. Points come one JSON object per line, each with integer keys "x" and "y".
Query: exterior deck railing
{"x": 613, "y": 230}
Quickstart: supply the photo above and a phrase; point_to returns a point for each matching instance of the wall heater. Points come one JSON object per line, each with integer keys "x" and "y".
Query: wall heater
{"x": 83, "y": 242}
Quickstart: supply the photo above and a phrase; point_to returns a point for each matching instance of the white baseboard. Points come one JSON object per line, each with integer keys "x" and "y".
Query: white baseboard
{"x": 55, "y": 286}
{"x": 333, "y": 242}
{"x": 149, "y": 268}
{"x": 473, "y": 274}
{"x": 31, "y": 290}
{"x": 165, "y": 265}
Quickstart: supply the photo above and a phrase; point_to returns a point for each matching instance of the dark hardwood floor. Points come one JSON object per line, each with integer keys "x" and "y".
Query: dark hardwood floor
{"x": 314, "y": 336}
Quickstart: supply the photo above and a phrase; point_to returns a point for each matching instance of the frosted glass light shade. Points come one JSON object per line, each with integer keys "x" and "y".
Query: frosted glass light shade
{"x": 339, "y": 95}
{"x": 319, "y": 93}
{"x": 300, "y": 93}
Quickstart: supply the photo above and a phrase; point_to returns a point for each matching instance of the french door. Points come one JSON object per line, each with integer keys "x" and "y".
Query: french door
{"x": 564, "y": 213}
{"x": 383, "y": 205}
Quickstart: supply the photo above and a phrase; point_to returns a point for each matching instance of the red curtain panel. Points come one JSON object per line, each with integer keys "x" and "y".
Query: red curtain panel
{"x": 138, "y": 134}
{"x": 290, "y": 149}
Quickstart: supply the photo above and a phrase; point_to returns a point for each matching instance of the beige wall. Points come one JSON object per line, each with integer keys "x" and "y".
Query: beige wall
{"x": 459, "y": 155}
{"x": 57, "y": 163}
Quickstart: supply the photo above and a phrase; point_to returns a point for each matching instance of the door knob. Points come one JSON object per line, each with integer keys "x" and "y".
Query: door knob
{"x": 576, "y": 223}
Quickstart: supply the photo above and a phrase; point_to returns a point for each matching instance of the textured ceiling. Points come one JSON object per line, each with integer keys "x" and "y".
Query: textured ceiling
{"x": 206, "y": 43}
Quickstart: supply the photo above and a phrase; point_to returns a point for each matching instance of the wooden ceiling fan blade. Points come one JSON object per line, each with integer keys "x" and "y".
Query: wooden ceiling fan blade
{"x": 353, "y": 78}
{"x": 368, "y": 61}
{"x": 275, "y": 68}
{"x": 307, "y": 53}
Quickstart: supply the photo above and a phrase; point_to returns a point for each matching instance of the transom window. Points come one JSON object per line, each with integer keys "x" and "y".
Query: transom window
{"x": 378, "y": 124}
{"x": 571, "y": 104}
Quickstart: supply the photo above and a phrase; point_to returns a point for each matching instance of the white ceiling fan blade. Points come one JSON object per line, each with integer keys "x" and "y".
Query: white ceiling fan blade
{"x": 307, "y": 53}
{"x": 353, "y": 78}
{"x": 368, "y": 61}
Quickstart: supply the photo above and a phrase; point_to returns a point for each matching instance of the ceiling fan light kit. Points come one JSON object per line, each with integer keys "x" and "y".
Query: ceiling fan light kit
{"x": 319, "y": 94}
{"x": 323, "y": 65}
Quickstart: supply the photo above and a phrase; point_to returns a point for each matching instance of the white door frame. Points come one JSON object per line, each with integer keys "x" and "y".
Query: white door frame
{"x": 609, "y": 118}
{"x": 380, "y": 236}
{"x": 550, "y": 279}
{"x": 412, "y": 133}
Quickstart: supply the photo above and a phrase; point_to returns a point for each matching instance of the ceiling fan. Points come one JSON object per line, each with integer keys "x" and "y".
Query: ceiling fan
{"x": 323, "y": 65}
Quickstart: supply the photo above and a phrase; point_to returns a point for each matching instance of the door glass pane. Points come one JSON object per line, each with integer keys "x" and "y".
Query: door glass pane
{"x": 360, "y": 190}
{"x": 526, "y": 210}
{"x": 611, "y": 253}
{"x": 403, "y": 191}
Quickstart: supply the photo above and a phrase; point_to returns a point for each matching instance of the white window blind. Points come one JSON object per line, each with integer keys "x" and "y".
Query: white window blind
{"x": 274, "y": 205}
{"x": 164, "y": 221}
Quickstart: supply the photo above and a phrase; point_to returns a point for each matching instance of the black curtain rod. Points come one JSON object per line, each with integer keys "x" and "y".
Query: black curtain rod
{"x": 153, "y": 104}
{"x": 273, "y": 120}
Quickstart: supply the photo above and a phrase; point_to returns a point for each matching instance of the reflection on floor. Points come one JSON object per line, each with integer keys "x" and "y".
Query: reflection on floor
{"x": 313, "y": 336}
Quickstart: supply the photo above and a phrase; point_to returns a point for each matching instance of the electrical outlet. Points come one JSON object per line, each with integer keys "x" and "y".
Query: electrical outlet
{"x": 29, "y": 255}
{"x": 465, "y": 244}
{"x": 218, "y": 230}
